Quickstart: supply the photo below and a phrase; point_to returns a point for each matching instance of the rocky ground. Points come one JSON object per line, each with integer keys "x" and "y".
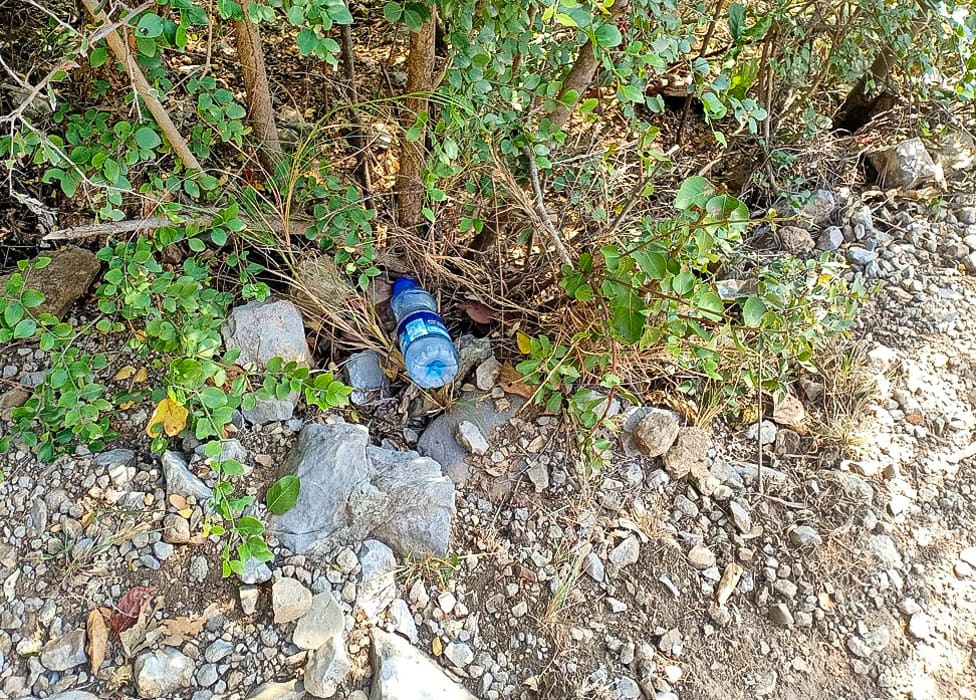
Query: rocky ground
{"x": 828, "y": 551}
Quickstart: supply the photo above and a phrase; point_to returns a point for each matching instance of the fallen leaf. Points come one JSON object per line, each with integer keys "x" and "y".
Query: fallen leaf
{"x": 132, "y": 603}
{"x": 826, "y": 603}
{"x": 730, "y": 579}
{"x": 177, "y": 631}
{"x": 141, "y": 376}
{"x": 524, "y": 343}
{"x": 511, "y": 382}
{"x": 178, "y": 501}
{"x": 477, "y": 312}
{"x": 171, "y": 415}
{"x": 97, "y": 644}
{"x": 124, "y": 373}
{"x": 789, "y": 412}
{"x": 126, "y": 405}
{"x": 437, "y": 645}
{"x": 185, "y": 512}
{"x": 532, "y": 682}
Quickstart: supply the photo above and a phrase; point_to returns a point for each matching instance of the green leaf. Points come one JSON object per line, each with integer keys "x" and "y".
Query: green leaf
{"x": 393, "y": 11}
{"x": 737, "y": 19}
{"x": 710, "y": 306}
{"x": 630, "y": 93}
{"x": 752, "y": 311}
{"x": 31, "y": 298}
{"x": 713, "y": 105}
{"x": 695, "y": 191}
{"x": 628, "y": 321}
{"x": 683, "y": 283}
{"x": 283, "y": 494}
{"x": 98, "y": 56}
{"x": 296, "y": 15}
{"x": 25, "y": 329}
{"x": 653, "y": 263}
{"x": 147, "y": 138}
{"x": 150, "y": 26}
{"x": 607, "y": 36}
{"x": 307, "y": 41}
{"x": 249, "y": 525}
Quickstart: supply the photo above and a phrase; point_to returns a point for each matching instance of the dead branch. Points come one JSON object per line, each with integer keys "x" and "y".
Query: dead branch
{"x": 543, "y": 213}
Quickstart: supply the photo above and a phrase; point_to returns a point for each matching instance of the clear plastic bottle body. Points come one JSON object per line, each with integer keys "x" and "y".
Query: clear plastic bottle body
{"x": 428, "y": 352}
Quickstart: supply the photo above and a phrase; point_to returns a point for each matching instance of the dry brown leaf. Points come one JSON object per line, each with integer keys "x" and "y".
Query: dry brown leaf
{"x": 141, "y": 376}
{"x": 171, "y": 415}
{"x": 511, "y": 382}
{"x": 477, "y": 312}
{"x": 178, "y": 501}
{"x": 730, "y": 579}
{"x": 124, "y": 373}
{"x": 130, "y": 606}
{"x": 177, "y": 631}
{"x": 97, "y": 644}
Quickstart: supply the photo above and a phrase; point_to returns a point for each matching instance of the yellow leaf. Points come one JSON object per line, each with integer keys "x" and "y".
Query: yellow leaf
{"x": 524, "y": 343}
{"x": 438, "y": 646}
{"x": 532, "y": 682}
{"x": 141, "y": 376}
{"x": 172, "y": 416}
{"x": 126, "y": 405}
{"x": 124, "y": 373}
{"x": 185, "y": 512}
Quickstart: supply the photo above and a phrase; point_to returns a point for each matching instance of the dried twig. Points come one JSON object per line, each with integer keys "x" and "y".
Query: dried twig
{"x": 543, "y": 213}
{"x": 114, "y": 228}
{"x": 122, "y": 53}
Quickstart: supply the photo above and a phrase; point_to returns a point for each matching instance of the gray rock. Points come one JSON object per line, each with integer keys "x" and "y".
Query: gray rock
{"x": 470, "y": 437}
{"x": 906, "y": 165}
{"x": 627, "y": 689}
{"x": 249, "y": 598}
{"x": 487, "y": 373}
{"x": 255, "y": 572}
{"x": 118, "y": 457}
{"x": 805, "y": 536}
{"x": 401, "y": 672}
{"x": 655, "y": 432}
{"x": 861, "y": 256}
{"x": 67, "y": 651}
{"x": 741, "y": 517}
{"x": 270, "y": 411}
{"x": 218, "y": 650}
{"x": 459, "y": 654}
{"x": 176, "y": 529}
{"x": 402, "y": 619}
{"x": 854, "y": 486}
{"x": 327, "y": 667}
{"x": 966, "y": 215}
{"x": 795, "y": 240}
{"x": 207, "y": 675}
{"x": 352, "y": 491}
{"x": 831, "y": 239}
{"x": 262, "y": 330}
{"x": 920, "y": 626}
{"x": 818, "y": 207}
{"x": 162, "y": 550}
{"x": 199, "y": 568}
{"x": 179, "y": 479}
{"x": 593, "y": 567}
{"x": 701, "y": 557}
{"x": 472, "y": 352}
{"x": 73, "y": 695}
{"x": 883, "y": 547}
{"x": 862, "y": 217}
{"x": 364, "y": 373}
{"x": 229, "y": 449}
{"x": 689, "y": 452}
{"x": 780, "y": 614}
{"x": 322, "y": 622}
{"x": 290, "y": 600}
{"x": 377, "y": 584}
{"x": 626, "y": 553}
{"x": 287, "y": 690}
{"x": 438, "y": 440}
{"x": 158, "y": 673}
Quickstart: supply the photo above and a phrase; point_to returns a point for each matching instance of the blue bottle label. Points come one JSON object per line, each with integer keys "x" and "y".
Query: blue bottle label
{"x": 420, "y": 324}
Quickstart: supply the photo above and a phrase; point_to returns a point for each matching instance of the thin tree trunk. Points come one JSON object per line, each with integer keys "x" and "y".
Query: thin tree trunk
{"x": 356, "y": 137}
{"x": 413, "y": 155}
{"x": 582, "y": 73}
{"x": 260, "y": 109}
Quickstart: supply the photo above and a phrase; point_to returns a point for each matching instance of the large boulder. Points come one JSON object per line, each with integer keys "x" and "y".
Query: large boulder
{"x": 351, "y": 491}
{"x": 907, "y": 165}
{"x": 401, "y": 672}
{"x": 62, "y": 281}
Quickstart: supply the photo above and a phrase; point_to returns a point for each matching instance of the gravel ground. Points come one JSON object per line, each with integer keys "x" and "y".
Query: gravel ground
{"x": 842, "y": 567}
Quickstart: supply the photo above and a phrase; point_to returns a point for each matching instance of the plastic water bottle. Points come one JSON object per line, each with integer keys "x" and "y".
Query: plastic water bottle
{"x": 428, "y": 351}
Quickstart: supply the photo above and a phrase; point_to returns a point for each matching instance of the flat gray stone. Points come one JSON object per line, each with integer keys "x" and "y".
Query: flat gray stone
{"x": 286, "y": 690}
{"x": 905, "y": 165}
{"x": 180, "y": 480}
{"x": 270, "y": 411}
{"x": 327, "y": 667}
{"x": 65, "y": 652}
{"x": 290, "y": 600}
{"x": 322, "y": 622}
{"x": 364, "y": 373}
{"x": 377, "y": 582}
{"x": 626, "y": 553}
{"x": 265, "y": 329}
{"x": 158, "y": 673}
{"x": 401, "y": 672}
{"x": 438, "y": 441}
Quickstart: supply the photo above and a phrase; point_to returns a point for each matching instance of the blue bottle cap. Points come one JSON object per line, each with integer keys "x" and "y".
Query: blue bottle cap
{"x": 403, "y": 284}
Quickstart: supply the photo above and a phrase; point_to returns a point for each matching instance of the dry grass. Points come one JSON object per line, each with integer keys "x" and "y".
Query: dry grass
{"x": 848, "y": 389}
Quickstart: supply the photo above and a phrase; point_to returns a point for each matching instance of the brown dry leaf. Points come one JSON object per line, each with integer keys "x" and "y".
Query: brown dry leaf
{"x": 141, "y": 376}
{"x": 178, "y": 501}
{"x": 477, "y": 312}
{"x": 730, "y": 579}
{"x": 97, "y": 644}
{"x": 172, "y": 416}
{"x": 177, "y": 631}
{"x": 789, "y": 412}
{"x": 124, "y": 373}
{"x": 511, "y": 382}
{"x": 826, "y": 603}
{"x": 532, "y": 682}
{"x": 130, "y": 606}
